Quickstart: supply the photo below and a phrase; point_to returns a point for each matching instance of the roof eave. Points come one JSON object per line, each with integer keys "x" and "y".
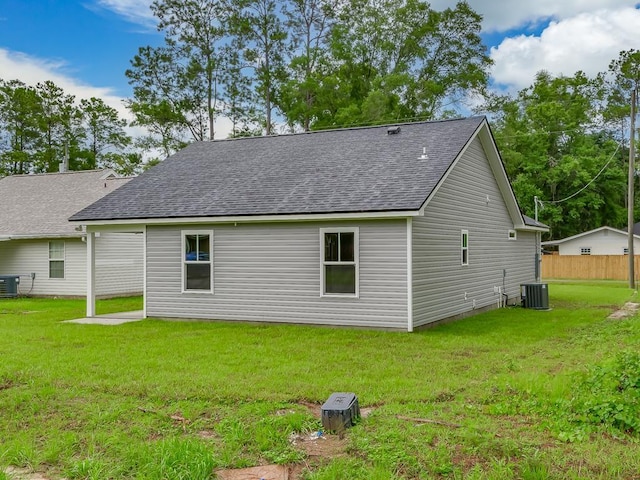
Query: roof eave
{"x": 297, "y": 217}
{"x": 43, "y": 236}
{"x": 531, "y": 228}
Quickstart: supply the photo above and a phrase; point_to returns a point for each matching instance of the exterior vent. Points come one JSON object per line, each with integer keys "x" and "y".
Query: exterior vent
{"x": 535, "y": 295}
{"x": 9, "y": 285}
{"x": 393, "y": 130}
{"x": 340, "y": 411}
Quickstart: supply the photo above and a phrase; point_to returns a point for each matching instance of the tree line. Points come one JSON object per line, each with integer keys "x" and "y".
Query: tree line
{"x": 270, "y": 66}
{"x": 303, "y": 64}
{"x": 563, "y": 133}
{"x": 42, "y": 126}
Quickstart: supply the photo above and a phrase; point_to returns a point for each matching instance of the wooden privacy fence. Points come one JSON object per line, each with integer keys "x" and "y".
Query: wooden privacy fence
{"x": 588, "y": 267}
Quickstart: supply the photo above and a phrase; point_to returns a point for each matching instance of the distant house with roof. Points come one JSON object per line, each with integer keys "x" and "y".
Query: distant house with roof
{"x": 599, "y": 241}
{"x": 389, "y": 227}
{"x": 38, "y": 243}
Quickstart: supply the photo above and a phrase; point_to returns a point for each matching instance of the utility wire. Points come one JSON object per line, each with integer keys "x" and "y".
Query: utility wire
{"x": 554, "y": 202}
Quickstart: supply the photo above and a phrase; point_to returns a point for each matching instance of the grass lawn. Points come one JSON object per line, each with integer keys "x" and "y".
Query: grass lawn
{"x": 511, "y": 393}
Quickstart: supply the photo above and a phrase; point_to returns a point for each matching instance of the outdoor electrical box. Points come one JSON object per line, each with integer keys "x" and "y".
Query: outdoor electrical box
{"x": 340, "y": 411}
{"x": 9, "y": 285}
{"x": 535, "y": 295}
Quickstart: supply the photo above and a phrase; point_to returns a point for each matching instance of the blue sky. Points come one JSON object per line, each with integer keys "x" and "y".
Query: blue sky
{"x": 87, "y": 41}
{"x": 85, "y": 45}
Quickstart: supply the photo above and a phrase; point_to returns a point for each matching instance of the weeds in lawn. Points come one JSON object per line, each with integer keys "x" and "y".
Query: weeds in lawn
{"x": 609, "y": 396}
{"x": 487, "y": 397}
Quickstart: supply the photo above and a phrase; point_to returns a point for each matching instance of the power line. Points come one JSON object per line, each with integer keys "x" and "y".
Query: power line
{"x": 554, "y": 202}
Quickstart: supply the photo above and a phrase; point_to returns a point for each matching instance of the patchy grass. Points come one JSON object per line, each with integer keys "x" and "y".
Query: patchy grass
{"x": 505, "y": 392}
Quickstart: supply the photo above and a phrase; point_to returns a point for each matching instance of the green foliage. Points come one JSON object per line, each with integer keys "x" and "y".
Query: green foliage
{"x": 552, "y": 146}
{"x": 41, "y": 126}
{"x": 315, "y": 64}
{"x": 608, "y": 395}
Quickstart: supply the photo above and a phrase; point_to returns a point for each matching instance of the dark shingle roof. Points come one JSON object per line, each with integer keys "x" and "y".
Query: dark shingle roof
{"x": 40, "y": 205}
{"x": 531, "y": 222}
{"x": 347, "y": 170}
{"x": 636, "y": 228}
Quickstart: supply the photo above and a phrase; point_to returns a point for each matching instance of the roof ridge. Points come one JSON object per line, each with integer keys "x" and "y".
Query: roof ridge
{"x": 344, "y": 129}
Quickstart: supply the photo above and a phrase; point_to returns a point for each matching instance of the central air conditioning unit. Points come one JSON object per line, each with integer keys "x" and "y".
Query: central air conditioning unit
{"x": 9, "y": 285}
{"x": 535, "y": 295}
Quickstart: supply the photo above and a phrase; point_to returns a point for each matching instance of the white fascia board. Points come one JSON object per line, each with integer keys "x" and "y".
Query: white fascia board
{"x": 530, "y": 228}
{"x": 37, "y": 236}
{"x": 312, "y": 217}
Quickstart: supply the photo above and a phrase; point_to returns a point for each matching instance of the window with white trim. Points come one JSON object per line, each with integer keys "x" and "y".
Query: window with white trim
{"x": 625, "y": 251}
{"x": 513, "y": 235}
{"x": 464, "y": 247}
{"x": 56, "y": 259}
{"x": 339, "y": 254}
{"x": 585, "y": 251}
{"x": 197, "y": 264}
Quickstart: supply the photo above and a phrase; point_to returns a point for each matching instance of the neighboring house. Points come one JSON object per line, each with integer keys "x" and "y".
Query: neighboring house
{"x": 601, "y": 241}
{"x": 38, "y": 242}
{"x": 389, "y": 227}
{"x": 636, "y": 228}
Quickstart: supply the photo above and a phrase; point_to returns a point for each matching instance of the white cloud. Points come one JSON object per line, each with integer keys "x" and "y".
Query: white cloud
{"x": 510, "y": 14}
{"x": 587, "y": 42}
{"x": 32, "y": 70}
{"x": 135, "y": 11}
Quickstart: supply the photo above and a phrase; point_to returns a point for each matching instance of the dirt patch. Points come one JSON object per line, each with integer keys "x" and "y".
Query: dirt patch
{"x": 314, "y": 408}
{"x": 629, "y": 309}
{"x": 207, "y": 434}
{"x": 319, "y": 444}
{"x": 24, "y": 474}
{"x": 318, "y": 447}
{"x": 263, "y": 472}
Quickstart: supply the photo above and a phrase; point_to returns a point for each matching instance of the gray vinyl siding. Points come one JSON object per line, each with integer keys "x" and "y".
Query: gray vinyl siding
{"x": 271, "y": 273}
{"x": 119, "y": 265}
{"x": 23, "y": 257}
{"x": 439, "y": 280}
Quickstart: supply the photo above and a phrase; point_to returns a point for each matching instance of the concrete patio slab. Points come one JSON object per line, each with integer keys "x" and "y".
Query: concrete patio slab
{"x": 111, "y": 318}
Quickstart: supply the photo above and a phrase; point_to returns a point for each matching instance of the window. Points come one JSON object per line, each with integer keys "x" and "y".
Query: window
{"x": 197, "y": 263}
{"x": 56, "y": 259}
{"x": 585, "y": 251}
{"x": 464, "y": 247}
{"x": 625, "y": 251}
{"x": 339, "y": 253}
{"x": 513, "y": 235}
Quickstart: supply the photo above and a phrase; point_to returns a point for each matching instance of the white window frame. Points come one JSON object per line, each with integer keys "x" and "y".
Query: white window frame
{"x": 625, "y": 250}
{"x": 463, "y": 249}
{"x": 356, "y": 260}
{"x": 184, "y": 262}
{"x": 63, "y": 259}
{"x": 512, "y": 235}
{"x": 585, "y": 250}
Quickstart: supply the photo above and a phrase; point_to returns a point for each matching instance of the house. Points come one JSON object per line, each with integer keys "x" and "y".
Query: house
{"x": 636, "y": 228}
{"x": 38, "y": 243}
{"x": 600, "y": 241}
{"x": 387, "y": 227}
